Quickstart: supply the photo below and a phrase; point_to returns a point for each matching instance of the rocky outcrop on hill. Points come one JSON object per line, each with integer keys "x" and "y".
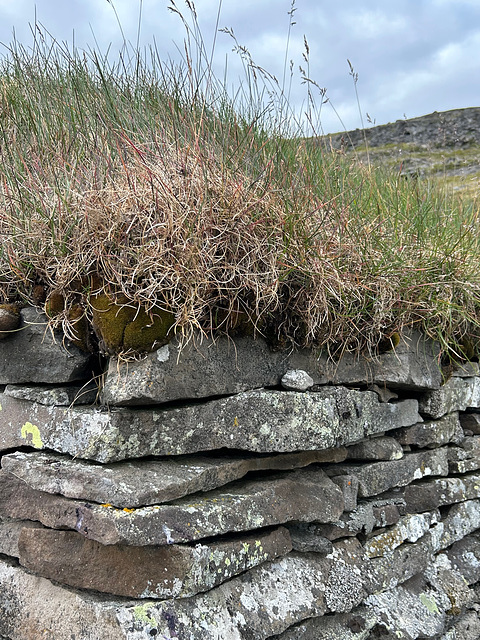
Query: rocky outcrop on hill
{"x": 447, "y": 129}
{"x": 234, "y": 493}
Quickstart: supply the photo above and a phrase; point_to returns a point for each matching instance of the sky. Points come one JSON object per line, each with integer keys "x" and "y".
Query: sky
{"x": 409, "y": 57}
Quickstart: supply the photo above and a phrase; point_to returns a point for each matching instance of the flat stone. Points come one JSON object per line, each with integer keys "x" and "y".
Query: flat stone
{"x": 381, "y": 448}
{"x": 201, "y": 369}
{"x": 368, "y": 515}
{"x": 465, "y": 557}
{"x": 466, "y": 457}
{"x": 461, "y": 521}
{"x": 34, "y": 354}
{"x": 263, "y": 601}
{"x": 206, "y": 368}
{"x": 413, "y": 364}
{"x": 60, "y": 396}
{"x": 438, "y": 492}
{"x": 355, "y": 625}
{"x": 10, "y": 532}
{"x": 457, "y": 394}
{"x": 467, "y": 370}
{"x": 306, "y": 538}
{"x": 378, "y": 477}
{"x": 297, "y": 380}
{"x": 432, "y": 433}
{"x": 146, "y": 482}
{"x": 242, "y": 506}
{"x": 144, "y": 572}
{"x": 349, "y": 488}
{"x": 259, "y": 421}
{"x": 409, "y": 528}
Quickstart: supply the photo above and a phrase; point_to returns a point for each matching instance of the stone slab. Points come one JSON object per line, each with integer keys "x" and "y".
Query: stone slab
{"x": 145, "y": 572}
{"x": 206, "y": 368}
{"x": 145, "y": 482}
{"x": 10, "y": 532}
{"x": 378, "y": 477}
{"x": 35, "y": 354}
{"x": 409, "y": 528}
{"x": 61, "y": 396}
{"x": 438, "y": 492}
{"x": 265, "y": 600}
{"x": 432, "y": 433}
{"x": 466, "y": 457}
{"x": 457, "y": 394}
{"x": 259, "y": 421}
{"x": 465, "y": 557}
{"x": 367, "y": 516}
{"x": 239, "y": 507}
{"x": 380, "y": 448}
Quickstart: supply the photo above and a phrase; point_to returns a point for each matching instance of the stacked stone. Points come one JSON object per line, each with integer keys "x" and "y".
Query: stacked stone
{"x": 226, "y": 491}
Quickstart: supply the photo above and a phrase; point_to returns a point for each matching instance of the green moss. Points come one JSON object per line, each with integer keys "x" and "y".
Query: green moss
{"x": 55, "y": 304}
{"x": 80, "y": 327}
{"x": 123, "y": 327}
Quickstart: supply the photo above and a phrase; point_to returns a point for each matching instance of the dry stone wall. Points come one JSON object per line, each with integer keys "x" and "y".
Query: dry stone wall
{"x": 229, "y": 492}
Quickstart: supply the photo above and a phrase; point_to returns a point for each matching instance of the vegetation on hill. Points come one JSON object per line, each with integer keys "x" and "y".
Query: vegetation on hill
{"x": 142, "y": 186}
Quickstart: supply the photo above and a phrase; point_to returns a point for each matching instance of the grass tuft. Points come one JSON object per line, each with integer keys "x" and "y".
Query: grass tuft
{"x": 144, "y": 182}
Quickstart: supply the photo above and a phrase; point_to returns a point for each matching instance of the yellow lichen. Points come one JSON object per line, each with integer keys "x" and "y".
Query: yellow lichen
{"x": 32, "y": 430}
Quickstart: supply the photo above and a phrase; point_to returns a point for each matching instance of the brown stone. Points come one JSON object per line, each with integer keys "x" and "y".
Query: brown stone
{"x": 144, "y": 572}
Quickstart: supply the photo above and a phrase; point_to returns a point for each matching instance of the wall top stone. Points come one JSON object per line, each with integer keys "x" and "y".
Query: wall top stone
{"x": 220, "y": 367}
{"x": 34, "y": 354}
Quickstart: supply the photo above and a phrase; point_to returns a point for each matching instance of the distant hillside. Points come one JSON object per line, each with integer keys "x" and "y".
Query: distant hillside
{"x": 455, "y": 128}
{"x": 444, "y": 147}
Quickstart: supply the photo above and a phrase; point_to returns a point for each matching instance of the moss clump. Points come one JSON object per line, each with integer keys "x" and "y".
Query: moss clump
{"x": 122, "y": 327}
{"x": 80, "y": 329}
{"x": 389, "y": 343}
{"x": 55, "y": 304}
{"x": 9, "y": 319}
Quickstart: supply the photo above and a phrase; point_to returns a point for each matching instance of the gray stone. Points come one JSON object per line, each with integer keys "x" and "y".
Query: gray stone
{"x": 409, "y": 528}
{"x": 202, "y": 368}
{"x": 10, "y": 532}
{"x": 205, "y": 368}
{"x": 466, "y": 370}
{"x": 35, "y": 354}
{"x": 462, "y": 519}
{"x": 381, "y": 448}
{"x": 145, "y": 572}
{"x": 457, "y": 394}
{"x": 378, "y": 477}
{"x": 438, "y": 492}
{"x": 466, "y": 457}
{"x": 60, "y": 396}
{"x": 355, "y": 625}
{"x": 349, "y": 488}
{"x": 470, "y": 422}
{"x": 432, "y": 433}
{"x": 260, "y": 421}
{"x": 368, "y": 515}
{"x": 240, "y": 507}
{"x": 413, "y": 364}
{"x": 297, "y": 380}
{"x": 306, "y": 537}
{"x": 465, "y": 557}
{"x": 145, "y": 482}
